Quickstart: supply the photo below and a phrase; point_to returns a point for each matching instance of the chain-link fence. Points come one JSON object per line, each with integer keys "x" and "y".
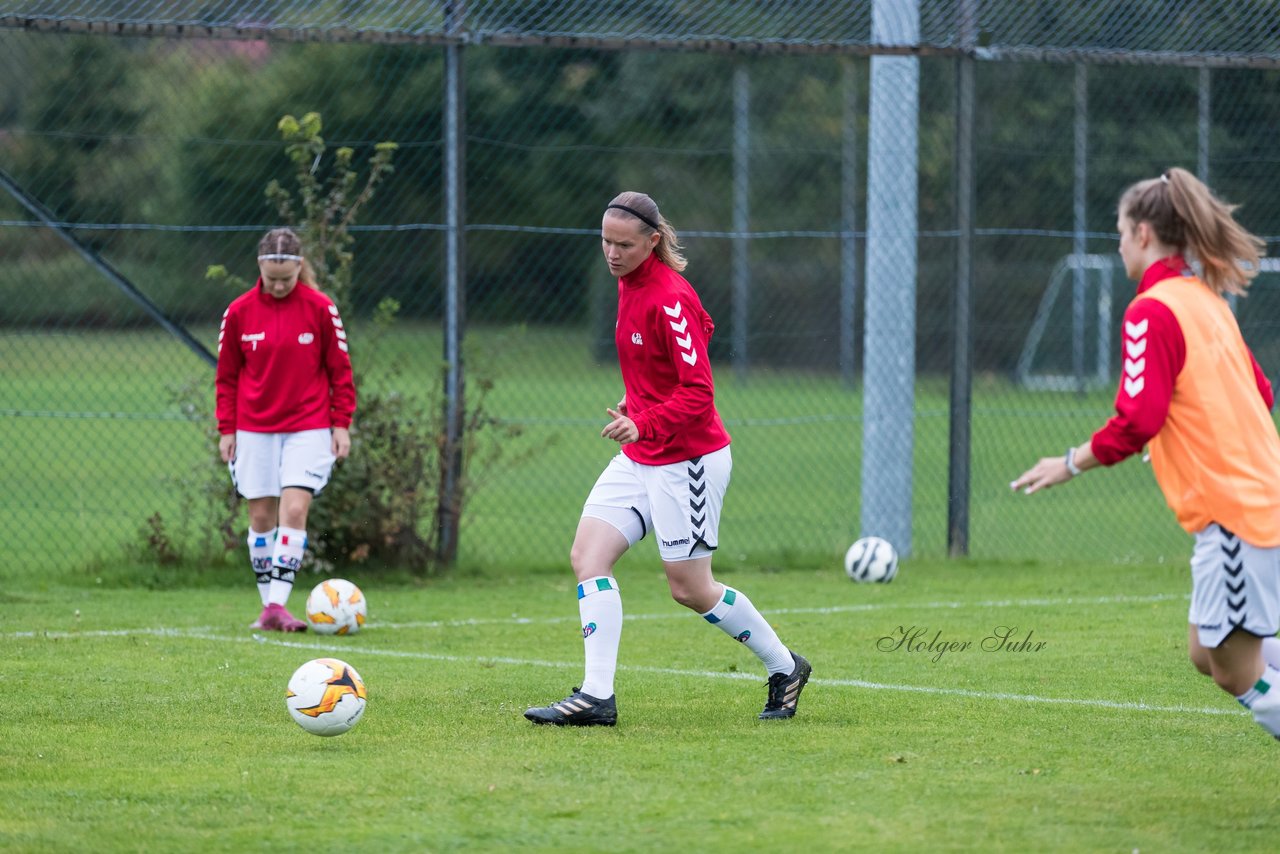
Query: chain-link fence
{"x": 131, "y": 163}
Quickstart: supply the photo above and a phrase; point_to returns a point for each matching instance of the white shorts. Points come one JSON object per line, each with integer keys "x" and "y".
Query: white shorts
{"x": 267, "y": 462}
{"x": 681, "y": 502}
{"x": 1233, "y": 586}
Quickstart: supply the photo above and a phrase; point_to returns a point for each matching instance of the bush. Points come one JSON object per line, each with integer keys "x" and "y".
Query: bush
{"x": 373, "y": 509}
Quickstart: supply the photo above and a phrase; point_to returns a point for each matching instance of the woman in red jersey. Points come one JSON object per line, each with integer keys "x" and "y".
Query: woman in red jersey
{"x": 284, "y": 406}
{"x": 670, "y": 476}
{"x": 1192, "y": 390}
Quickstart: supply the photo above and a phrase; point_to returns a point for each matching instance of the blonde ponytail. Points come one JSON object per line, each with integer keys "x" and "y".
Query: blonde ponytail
{"x": 308, "y": 275}
{"x": 1186, "y": 214}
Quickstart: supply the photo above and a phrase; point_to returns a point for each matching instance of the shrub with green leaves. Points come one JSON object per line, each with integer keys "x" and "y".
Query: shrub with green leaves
{"x": 373, "y": 509}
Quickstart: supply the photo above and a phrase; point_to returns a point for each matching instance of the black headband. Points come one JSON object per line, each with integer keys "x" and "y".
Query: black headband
{"x": 635, "y": 213}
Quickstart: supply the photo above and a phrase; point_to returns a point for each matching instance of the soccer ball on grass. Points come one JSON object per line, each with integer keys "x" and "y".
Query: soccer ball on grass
{"x": 871, "y": 559}
{"x": 336, "y": 607}
{"x": 326, "y": 696}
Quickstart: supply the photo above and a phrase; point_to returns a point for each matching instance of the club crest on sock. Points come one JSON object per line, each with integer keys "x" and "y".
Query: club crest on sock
{"x": 588, "y": 630}
{"x": 743, "y": 636}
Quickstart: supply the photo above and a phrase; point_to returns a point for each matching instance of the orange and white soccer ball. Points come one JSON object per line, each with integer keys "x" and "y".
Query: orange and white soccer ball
{"x": 336, "y": 607}
{"x": 326, "y": 696}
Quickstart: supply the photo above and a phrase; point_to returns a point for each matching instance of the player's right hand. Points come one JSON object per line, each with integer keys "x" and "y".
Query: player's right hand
{"x": 621, "y": 429}
{"x": 1049, "y": 471}
{"x": 227, "y": 447}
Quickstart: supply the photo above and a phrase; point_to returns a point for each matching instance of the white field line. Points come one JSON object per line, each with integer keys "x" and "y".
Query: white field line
{"x": 114, "y": 633}
{"x": 683, "y": 614}
{"x": 206, "y": 633}
{"x": 349, "y": 651}
{"x": 675, "y": 614}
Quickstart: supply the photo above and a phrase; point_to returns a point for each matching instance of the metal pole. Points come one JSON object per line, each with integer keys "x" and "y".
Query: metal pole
{"x": 450, "y": 497}
{"x": 1078, "y": 244}
{"x": 741, "y": 219}
{"x": 962, "y": 338}
{"x": 1103, "y": 373}
{"x": 889, "y": 339}
{"x": 1203, "y": 125}
{"x": 849, "y": 222}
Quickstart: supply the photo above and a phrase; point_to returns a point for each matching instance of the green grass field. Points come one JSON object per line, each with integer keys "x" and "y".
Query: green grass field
{"x": 94, "y": 446}
{"x": 152, "y": 719}
{"x": 155, "y": 721}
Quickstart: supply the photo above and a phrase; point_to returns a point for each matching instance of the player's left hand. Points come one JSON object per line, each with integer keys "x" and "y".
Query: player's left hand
{"x": 341, "y": 442}
{"x": 1049, "y": 471}
{"x": 621, "y": 429}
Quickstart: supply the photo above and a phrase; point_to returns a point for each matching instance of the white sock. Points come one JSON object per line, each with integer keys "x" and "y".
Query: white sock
{"x": 286, "y": 560}
{"x": 260, "y": 546}
{"x": 600, "y": 605}
{"x": 739, "y": 619}
{"x": 1271, "y": 651}
{"x": 1263, "y": 700}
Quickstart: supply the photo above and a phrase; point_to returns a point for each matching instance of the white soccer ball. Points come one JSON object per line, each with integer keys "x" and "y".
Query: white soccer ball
{"x": 336, "y": 607}
{"x": 326, "y": 696}
{"x": 871, "y": 559}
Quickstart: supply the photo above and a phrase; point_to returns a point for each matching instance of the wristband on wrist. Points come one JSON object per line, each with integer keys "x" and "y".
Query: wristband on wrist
{"x": 1070, "y": 460}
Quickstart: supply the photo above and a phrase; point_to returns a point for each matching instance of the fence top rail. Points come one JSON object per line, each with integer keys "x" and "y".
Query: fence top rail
{"x": 1170, "y": 32}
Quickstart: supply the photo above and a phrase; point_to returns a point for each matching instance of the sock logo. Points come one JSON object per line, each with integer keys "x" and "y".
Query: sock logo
{"x": 588, "y": 630}
{"x": 742, "y": 638}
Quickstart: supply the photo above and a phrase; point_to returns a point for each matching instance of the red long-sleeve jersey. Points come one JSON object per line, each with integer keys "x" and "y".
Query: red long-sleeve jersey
{"x": 283, "y": 364}
{"x": 661, "y": 335}
{"x": 1153, "y": 353}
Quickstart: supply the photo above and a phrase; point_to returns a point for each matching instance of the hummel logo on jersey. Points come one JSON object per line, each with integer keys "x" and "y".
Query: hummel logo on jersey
{"x": 306, "y": 338}
{"x": 686, "y": 343}
{"x": 255, "y": 338}
{"x": 636, "y": 339}
{"x": 1135, "y": 345}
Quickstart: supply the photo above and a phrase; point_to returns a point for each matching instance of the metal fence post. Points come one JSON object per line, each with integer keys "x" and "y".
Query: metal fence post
{"x": 1079, "y": 238}
{"x": 1204, "y": 122}
{"x": 958, "y": 470}
{"x": 849, "y": 221}
{"x": 888, "y": 424}
{"x": 448, "y": 509}
{"x": 741, "y": 219}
